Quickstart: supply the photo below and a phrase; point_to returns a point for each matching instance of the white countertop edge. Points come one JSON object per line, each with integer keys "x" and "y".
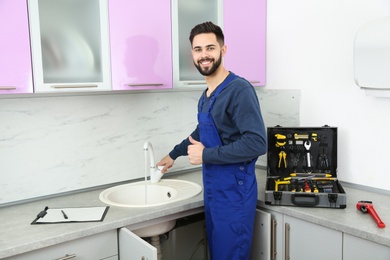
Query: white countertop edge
{"x": 347, "y": 220}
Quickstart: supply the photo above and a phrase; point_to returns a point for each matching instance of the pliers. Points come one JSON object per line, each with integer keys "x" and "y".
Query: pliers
{"x": 282, "y": 156}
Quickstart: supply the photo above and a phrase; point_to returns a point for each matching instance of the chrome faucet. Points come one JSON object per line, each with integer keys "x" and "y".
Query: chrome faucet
{"x": 154, "y": 171}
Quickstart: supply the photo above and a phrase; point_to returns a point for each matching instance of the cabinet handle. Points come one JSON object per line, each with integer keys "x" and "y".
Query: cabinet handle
{"x": 273, "y": 239}
{"x": 7, "y": 88}
{"x": 204, "y": 82}
{"x": 287, "y": 241}
{"x": 196, "y": 83}
{"x": 67, "y": 257}
{"x": 254, "y": 81}
{"x": 145, "y": 85}
{"x": 75, "y": 86}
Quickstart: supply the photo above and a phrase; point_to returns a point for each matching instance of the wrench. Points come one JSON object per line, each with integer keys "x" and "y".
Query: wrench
{"x": 307, "y": 146}
{"x": 366, "y": 206}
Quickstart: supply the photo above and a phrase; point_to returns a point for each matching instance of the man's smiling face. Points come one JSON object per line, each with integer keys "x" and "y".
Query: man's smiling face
{"x": 207, "y": 53}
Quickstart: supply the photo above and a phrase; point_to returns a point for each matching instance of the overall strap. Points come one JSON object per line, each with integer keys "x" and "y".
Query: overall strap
{"x": 226, "y": 82}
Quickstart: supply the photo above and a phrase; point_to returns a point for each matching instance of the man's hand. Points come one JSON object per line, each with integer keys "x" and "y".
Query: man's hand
{"x": 195, "y": 151}
{"x": 167, "y": 162}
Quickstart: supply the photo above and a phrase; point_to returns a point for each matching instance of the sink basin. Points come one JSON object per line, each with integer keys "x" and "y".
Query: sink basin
{"x": 155, "y": 230}
{"x": 146, "y": 194}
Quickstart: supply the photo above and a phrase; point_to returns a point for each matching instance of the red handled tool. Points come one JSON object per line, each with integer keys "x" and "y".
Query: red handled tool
{"x": 366, "y": 206}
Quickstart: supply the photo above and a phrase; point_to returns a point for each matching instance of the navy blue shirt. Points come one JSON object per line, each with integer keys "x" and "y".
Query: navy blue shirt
{"x": 237, "y": 117}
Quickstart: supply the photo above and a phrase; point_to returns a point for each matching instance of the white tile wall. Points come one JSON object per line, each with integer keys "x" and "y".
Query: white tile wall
{"x": 50, "y": 145}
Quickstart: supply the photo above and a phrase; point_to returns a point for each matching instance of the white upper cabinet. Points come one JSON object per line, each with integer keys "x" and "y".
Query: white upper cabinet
{"x": 70, "y": 45}
{"x": 244, "y": 26}
{"x": 185, "y": 15}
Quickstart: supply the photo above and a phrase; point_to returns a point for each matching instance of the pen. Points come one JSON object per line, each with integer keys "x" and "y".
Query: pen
{"x": 43, "y": 212}
{"x": 63, "y": 213}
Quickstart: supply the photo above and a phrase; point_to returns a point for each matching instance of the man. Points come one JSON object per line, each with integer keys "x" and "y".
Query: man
{"x": 227, "y": 141}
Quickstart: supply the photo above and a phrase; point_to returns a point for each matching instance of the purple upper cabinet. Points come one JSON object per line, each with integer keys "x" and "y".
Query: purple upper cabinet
{"x": 15, "y": 55}
{"x": 140, "y": 39}
{"x": 245, "y": 32}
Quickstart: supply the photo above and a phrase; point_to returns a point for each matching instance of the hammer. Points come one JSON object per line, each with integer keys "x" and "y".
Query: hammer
{"x": 366, "y": 206}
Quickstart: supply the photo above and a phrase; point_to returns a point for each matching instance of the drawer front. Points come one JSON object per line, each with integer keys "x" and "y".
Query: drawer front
{"x": 100, "y": 246}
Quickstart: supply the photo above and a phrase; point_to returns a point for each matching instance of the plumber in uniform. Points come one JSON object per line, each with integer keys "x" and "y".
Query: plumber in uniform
{"x": 227, "y": 141}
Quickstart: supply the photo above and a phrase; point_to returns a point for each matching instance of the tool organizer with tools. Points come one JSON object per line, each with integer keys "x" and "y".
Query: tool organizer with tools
{"x": 302, "y": 167}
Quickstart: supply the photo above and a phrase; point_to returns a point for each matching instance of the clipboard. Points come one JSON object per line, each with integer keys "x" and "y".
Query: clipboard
{"x": 71, "y": 215}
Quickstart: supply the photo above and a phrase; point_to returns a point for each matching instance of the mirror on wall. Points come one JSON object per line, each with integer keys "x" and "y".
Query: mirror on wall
{"x": 372, "y": 57}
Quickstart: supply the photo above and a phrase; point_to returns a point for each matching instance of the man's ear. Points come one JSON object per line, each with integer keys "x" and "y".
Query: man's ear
{"x": 224, "y": 50}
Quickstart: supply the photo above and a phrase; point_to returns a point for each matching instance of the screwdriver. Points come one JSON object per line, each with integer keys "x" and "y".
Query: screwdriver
{"x": 322, "y": 175}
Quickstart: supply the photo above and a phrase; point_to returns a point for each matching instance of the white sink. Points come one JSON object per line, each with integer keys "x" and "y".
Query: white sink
{"x": 146, "y": 194}
{"x": 156, "y": 229}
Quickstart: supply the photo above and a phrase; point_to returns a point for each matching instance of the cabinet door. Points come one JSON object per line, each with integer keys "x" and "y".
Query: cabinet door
{"x": 358, "y": 248}
{"x": 133, "y": 247}
{"x": 70, "y": 45}
{"x": 261, "y": 243}
{"x": 140, "y": 38}
{"x": 15, "y": 61}
{"x": 245, "y": 37}
{"x": 277, "y": 235}
{"x": 185, "y": 15}
{"x": 304, "y": 240}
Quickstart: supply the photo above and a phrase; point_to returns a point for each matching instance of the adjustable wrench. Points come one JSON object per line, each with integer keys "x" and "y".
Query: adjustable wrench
{"x": 307, "y": 146}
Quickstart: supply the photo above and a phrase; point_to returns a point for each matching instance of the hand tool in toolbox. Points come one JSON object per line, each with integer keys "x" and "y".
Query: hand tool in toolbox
{"x": 366, "y": 206}
{"x": 302, "y": 167}
{"x": 307, "y": 146}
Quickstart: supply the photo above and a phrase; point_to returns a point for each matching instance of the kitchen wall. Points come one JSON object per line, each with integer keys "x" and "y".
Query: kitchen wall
{"x": 310, "y": 47}
{"x": 56, "y": 144}
{"x": 51, "y": 145}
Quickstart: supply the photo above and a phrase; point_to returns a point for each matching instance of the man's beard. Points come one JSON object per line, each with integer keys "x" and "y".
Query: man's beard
{"x": 209, "y": 71}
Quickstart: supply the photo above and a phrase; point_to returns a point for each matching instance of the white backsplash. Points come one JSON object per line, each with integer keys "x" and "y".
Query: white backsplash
{"x": 51, "y": 145}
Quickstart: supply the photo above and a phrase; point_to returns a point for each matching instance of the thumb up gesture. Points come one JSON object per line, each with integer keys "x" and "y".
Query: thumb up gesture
{"x": 195, "y": 151}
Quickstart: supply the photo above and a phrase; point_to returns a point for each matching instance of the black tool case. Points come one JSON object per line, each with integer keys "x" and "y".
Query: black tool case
{"x": 302, "y": 167}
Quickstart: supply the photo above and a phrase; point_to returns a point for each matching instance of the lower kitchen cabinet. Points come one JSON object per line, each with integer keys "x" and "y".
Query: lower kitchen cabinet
{"x": 357, "y": 248}
{"x": 262, "y": 238}
{"x": 306, "y": 241}
{"x": 132, "y": 246}
{"x": 296, "y": 239}
{"x": 187, "y": 240}
{"x": 97, "y": 247}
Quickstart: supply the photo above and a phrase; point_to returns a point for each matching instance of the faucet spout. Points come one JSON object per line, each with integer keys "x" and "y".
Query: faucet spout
{"x": 155, "y": 173}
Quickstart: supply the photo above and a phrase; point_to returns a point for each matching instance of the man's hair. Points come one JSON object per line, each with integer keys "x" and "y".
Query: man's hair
{"x": 208, "y": 27}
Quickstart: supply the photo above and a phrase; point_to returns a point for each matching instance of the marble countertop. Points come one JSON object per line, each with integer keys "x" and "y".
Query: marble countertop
{"x": 19, "y": 236}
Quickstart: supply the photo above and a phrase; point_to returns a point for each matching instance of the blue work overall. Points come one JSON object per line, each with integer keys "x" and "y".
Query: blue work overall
{"x": 230, "y": 195}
